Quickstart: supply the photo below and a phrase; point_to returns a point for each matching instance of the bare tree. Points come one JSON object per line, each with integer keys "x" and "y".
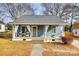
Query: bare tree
{"x": 15, "y": 10}
{"x": 67, "y": 10}
{"x": 53, "y": 9}
{"x": 71, "y": 9}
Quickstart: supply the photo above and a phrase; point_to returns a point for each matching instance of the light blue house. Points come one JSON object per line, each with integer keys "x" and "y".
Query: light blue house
{"x": 37, "y": 28}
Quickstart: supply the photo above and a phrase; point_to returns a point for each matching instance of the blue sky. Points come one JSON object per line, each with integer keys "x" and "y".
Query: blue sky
{"x": 38, "y": 11}
{"x": 38, "y": 8}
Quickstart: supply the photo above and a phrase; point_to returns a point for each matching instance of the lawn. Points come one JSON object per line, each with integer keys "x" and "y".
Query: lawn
{"x": 56, "y": 49}
{"x": 14, "y": 48}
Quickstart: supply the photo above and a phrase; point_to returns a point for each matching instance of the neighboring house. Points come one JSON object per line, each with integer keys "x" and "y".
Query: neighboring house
{"x": 75, "y": 29}
{"x": 2, "y": 27}
{"x": 37, "y": 27}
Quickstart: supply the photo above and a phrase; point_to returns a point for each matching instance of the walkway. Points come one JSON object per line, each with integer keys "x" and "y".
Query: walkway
{"x": 75, "y": 43}
{"x": 37, "y": 50}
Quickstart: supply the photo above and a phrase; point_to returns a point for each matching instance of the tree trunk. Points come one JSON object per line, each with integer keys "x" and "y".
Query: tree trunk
{"x": 71, "y": 26}
{"x": 71, "y": 23}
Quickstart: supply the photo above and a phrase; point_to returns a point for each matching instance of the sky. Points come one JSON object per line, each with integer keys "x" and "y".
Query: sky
{"x": 38, "y": 8}
{"x": 38, "y": 11}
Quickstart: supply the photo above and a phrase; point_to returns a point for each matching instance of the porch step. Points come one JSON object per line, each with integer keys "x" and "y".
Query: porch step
{"x": 37, "y": 38}
{"x": 37, "y": 41}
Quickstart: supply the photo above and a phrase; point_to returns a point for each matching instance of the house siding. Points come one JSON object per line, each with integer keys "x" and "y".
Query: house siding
{"x": 40, "y": 30}
{"x": 2, "y": 28}
{"x": 57, "y": 31}
{"x": 49, "y": 31}
{"x": 49, "y": 28}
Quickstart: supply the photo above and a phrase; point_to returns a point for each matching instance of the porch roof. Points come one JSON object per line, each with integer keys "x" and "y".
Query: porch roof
{"x": 39, "y": 20}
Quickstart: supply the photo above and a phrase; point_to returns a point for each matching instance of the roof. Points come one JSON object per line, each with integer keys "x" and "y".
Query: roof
{"x": 76, "y": 26}
{"x": 38, "y": 19}
{"x": 1, "y": 22}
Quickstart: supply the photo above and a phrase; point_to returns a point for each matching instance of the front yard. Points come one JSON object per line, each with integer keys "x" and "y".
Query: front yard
{"x": 15, "y": 48}
{"x": 24, "y": 48}
{"x": 6, "y": 35}
{"x": 55, "y": 49}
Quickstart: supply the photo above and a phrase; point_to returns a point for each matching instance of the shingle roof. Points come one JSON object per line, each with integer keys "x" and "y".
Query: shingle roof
{"x": 38, "y": 19}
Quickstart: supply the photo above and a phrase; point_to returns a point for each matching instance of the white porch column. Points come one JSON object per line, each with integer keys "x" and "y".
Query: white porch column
{"x": 13, "y": 32}
{"x": 46, "y": 28}
{"x": 29, "y": 29}
{"x": 62, "y": 28}
{"x": 15, "y": 27}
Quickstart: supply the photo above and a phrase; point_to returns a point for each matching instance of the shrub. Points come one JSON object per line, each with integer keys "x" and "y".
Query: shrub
{"x": 67, "y": 39}
{"x": 9, "y": 27}
{"x": 68, "y": 33}
{"x": 64, "y": 39}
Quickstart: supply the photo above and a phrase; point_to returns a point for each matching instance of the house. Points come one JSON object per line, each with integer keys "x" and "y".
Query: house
{"x": 2, "y": 27}
{"x": 75, "y": 30}
{"x": 37, "y": 27}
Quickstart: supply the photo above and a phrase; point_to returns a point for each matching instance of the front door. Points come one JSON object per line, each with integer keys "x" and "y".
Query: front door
{"x": 34, "y": 31}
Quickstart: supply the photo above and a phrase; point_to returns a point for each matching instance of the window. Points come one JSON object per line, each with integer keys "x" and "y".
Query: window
{"x": 53, "y": 28}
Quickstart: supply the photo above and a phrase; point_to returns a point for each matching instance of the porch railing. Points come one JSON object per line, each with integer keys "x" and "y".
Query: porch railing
{"x": 27, "y": 34}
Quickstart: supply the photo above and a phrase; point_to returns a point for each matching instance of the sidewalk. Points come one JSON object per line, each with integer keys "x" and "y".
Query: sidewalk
{"x": 75, "y": 43}
{"x": 37, "y": 50}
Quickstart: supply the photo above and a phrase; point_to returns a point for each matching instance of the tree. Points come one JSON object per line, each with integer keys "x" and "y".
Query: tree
{"x": 53, "y": 9}
{"x": 71, "y": 9}
{"x": 15, "y": 10}
{"x": 66, "y": 11}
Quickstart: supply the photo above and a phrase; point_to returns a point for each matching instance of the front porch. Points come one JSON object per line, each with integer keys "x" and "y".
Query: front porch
{"x": 37, "y": 32}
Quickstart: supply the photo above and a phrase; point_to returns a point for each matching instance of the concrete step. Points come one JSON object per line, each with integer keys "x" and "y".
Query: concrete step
{"x": 37, "y": 38}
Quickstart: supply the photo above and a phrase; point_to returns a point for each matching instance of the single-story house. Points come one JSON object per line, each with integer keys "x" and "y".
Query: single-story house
{"x": 2, "y": 27}
{"x": 37, "y": 27}
{"x": 75, "y": 30}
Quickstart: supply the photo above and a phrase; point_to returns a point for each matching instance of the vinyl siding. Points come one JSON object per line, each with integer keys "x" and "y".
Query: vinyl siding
{"x": 40, "y": 30}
